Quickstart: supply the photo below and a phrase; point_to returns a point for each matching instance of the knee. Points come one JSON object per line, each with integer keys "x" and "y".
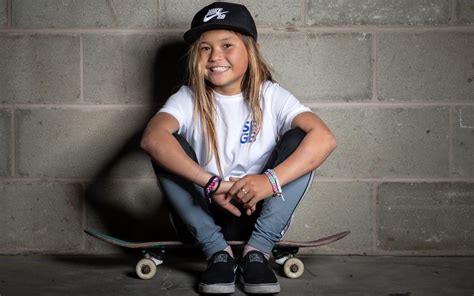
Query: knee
{"x": 292, "y": 139}
{"x": 188, "y": 149}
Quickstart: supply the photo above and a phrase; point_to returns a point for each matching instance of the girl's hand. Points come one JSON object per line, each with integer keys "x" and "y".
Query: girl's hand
{"x": 251, "y": 189}
{"x": 222, "y": 198}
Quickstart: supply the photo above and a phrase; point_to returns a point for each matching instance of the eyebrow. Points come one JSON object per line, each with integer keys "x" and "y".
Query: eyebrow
{"x": 220, "y": 40}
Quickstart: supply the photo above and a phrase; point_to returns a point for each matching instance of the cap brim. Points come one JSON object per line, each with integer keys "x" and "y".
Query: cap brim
{"x": 193, "y": 34}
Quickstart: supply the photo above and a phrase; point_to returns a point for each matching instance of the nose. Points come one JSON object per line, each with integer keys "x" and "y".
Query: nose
{"x": 215, "y": 55}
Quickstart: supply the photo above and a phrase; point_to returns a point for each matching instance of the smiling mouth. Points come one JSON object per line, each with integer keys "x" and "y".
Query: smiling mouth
{"x": 219, "y": 69}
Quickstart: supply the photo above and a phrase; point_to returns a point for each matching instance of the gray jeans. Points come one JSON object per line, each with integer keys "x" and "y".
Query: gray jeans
{"x": 195, "y": 219}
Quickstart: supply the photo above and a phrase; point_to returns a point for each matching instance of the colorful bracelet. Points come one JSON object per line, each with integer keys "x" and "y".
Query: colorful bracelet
{"x": 272, "y": 177}
{"x": 212, "y": 186}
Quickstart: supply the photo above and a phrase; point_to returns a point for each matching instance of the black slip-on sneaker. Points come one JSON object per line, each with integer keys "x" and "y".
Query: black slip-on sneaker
{"x": 256, "y": 276}
{"x": 219, "y": 277}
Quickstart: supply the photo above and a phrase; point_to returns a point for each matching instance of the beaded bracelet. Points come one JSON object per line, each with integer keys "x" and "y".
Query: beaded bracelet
{"x": 212, "y": 186}
{"x": 272, "y": 177}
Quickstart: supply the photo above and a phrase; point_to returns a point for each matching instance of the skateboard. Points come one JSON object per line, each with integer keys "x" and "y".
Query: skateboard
{"x": 284, "y": 252}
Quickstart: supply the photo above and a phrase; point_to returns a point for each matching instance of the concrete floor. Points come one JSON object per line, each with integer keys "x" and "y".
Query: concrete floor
{"x": 324, "y": 275}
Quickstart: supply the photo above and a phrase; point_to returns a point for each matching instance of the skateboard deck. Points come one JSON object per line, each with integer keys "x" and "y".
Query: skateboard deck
{"x": 284, "y": 251}
{"x": 177, "y": 244}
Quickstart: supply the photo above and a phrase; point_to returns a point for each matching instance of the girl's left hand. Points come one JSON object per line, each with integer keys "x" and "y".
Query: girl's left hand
{"x": 250, "y": 189}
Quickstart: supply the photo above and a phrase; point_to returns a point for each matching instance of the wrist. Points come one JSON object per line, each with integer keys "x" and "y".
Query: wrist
{"x": 212, "y": 186}
{"x": 273, "y": 179}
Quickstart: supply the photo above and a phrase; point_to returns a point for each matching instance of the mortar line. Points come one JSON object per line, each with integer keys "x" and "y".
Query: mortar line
{"x": 375, "y": 91}
{"x": 157, "y": 13}
{"x": 453, "y": 12}
{"x": 318, "y": 179}
{"x": 310, "y": 104}
{"x": 450, "y": 142}
{"x": 378, "y": 104}
{"x": 85, "y": 106}
{"x": 394, "y": 179}
{"x": 304, "y": 10}
{"x": 9, "y": 14}
{"x": 13, "y": 144}
{"x": 375, "y": 222}
{"x": 84, "y": 218}
{"x": 81, "y": 68}
{"x": 262, "y": 29}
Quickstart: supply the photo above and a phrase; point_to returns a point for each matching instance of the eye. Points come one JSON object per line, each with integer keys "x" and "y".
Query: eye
{"x": 204, "y": 48}
{"x": 227, "y": 45}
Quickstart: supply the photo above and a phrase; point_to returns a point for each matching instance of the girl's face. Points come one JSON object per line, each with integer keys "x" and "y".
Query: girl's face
{"x": 224, "y": 59}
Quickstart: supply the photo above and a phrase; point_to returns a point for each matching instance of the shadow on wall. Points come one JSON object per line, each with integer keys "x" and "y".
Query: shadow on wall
{"x": 123, "y": 208}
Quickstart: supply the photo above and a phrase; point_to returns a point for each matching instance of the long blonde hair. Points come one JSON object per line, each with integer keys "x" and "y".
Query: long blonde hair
{"x": 257, "y": 72}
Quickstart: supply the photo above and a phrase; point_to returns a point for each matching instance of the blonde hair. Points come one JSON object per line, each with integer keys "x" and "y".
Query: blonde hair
{"x": 257, "y": 72}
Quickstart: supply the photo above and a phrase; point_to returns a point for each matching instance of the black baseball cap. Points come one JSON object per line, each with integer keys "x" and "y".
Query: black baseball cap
{"x": 221, "y": 15}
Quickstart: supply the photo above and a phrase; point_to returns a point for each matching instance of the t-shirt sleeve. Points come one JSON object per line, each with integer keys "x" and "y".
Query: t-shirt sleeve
{"x": 285, "y": 107}
{"x": 180, "y": 106}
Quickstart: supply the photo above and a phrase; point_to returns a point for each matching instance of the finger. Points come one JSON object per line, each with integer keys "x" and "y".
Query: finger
{"x": 236, "y": 188}
{"x": 232, "y": 209}
{"x": 251, "y": 210}
{"x": 251, "y": 203}
{"x": 248, "y": 197}
{"x": 242, "y": 194}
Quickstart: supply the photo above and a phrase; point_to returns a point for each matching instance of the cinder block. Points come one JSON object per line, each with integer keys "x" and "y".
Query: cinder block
{"x": 274, "y": 13}
{"x": 130, "y": 68}
{"x": 433, "y": 66}
{"x": 132, "y": 210}
{"x": 326, "y": 67}
{"x": 84, "y": 13}
{"x": 374, "y": 12}
{"x": 40, "y": 217}
{"x": 5, "y": 142}
{"x": 81, "y": 143}
{"x": 463, "y": 141}
{"x": 465, "y": 12}
{"x": 3, "y": 13}
{"x": 388, "y": 142}
{"x": 329, "y": 208}
{"x": 426, "y": 217}
{"x": 172, "y": 14}
{"x": 39, "y": 69}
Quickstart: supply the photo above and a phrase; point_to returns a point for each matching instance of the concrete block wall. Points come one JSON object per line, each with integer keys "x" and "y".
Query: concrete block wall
{"x": 392, "y": 79}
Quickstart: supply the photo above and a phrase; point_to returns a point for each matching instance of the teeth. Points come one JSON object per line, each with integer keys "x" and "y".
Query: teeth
{"x": 219, "y": 69}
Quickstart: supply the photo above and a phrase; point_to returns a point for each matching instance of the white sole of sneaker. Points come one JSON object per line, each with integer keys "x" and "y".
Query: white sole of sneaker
{"x": 217, "y": 289}
{"x": 260, "y": 288}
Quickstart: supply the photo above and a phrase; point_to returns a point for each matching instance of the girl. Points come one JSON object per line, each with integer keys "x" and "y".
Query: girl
{"x": 233, "y": 148}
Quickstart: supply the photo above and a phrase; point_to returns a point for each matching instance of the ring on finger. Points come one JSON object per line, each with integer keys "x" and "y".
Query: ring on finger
{"x": 244, "y": 190}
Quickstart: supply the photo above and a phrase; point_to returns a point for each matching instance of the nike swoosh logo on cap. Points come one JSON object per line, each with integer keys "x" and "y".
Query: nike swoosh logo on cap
{"x": 214, "y": 13}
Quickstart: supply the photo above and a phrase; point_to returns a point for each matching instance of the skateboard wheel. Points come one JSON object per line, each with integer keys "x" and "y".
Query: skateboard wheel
{"x": 145, "y": 269}
{"x": 293, "y": 268}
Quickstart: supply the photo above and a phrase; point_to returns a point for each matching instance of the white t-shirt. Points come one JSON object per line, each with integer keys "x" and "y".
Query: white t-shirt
{"x": 241, "y": 152}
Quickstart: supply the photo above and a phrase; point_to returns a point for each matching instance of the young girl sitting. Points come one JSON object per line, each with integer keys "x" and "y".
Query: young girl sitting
{"x": 233, "y": 150}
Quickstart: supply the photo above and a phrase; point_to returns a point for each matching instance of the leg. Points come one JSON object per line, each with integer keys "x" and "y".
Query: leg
{"x": 273, "y": 220}
{"x": 189, "y": 207}
{"x": 276, "y": 213}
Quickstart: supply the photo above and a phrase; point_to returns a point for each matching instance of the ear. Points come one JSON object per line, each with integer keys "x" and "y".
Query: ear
{"x": 258, "y": 46}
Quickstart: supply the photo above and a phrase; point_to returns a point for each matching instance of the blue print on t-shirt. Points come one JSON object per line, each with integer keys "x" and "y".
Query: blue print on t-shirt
{"x": 248, "y": 132}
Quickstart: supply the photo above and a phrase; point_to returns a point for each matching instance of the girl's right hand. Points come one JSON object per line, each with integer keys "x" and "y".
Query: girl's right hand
{"x": 224, "y": 200}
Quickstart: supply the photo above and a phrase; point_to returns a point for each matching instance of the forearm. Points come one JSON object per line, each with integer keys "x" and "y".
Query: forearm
{"x": 310, "y": 154}
{"x": 165, "y": 150}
